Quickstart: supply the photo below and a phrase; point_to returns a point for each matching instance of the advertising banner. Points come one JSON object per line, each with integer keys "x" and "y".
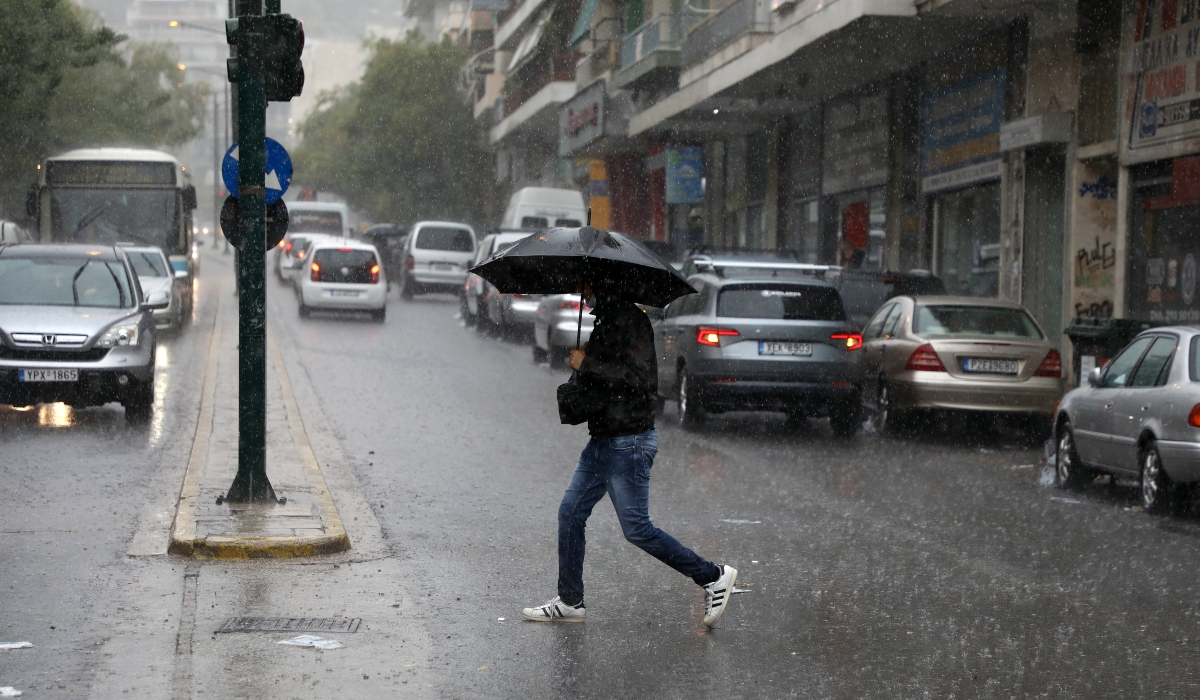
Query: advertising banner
{"x": 963, "y": 112}
{"x": 685, "y": 172}
{"x": 1161, "y": 77}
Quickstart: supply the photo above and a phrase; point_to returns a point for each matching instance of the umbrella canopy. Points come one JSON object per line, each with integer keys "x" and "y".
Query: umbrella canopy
{"x": 552, "y": 261}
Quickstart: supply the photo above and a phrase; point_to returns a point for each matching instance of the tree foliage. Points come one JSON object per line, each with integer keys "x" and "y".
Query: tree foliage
{"x": 402, "y": 144}
{"x": 67, "y": 81}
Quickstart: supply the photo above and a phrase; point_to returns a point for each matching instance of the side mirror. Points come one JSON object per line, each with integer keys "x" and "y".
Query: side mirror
{"x": 156, "y": 301}
{"x": 181, "y": 275}
{"x": 1093, "y": 377}
{"x": 189, "y": 197}
{"x": 33, "y": 202}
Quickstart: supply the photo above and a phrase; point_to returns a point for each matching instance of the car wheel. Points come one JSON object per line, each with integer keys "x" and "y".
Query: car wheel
{"x": 379, "y": 316}
{"x": 1069, "y": 471}
{"x": 845, "y": 420}
{"x": 464, "y": 310}
{"x": 691, "y": 414}
{"x": 886, "y": 419}
{"x": 540, "y": 356}
{"x": 1159, "y": 495}
{"x": 139, "y": 404}
{"x": 305, "y": 312}
{"x": 406, "y": 290}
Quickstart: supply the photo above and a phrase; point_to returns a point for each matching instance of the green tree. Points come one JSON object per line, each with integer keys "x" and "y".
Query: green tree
{"x": 402, "y": 144}
{"x": 67, "y": 81}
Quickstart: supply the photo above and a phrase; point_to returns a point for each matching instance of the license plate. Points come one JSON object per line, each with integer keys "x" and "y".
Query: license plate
{"x": 989, "y": 366}
{"x": 47, "y": 375}
{"x": 441, "y": 267}
{"x": 784, "y": 348}
{"x": 342, "y": 293}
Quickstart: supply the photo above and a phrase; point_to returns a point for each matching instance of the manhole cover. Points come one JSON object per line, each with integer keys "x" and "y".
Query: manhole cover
{"x": 290, "y": 624}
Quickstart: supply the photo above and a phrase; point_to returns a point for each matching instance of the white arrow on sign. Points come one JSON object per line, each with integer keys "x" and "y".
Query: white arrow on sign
{"x": 272, "y": 181}
{"x": 234, "y": 154}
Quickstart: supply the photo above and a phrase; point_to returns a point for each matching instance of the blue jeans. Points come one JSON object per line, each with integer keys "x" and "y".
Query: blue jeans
{"x": 620, "y": 467}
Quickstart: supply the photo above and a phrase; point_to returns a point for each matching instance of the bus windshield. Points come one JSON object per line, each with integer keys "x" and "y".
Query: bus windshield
{"x": 102, "y": 215}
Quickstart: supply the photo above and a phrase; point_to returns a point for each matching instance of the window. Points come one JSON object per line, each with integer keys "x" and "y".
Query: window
{"x": 875, "y": 327}
{"x": 147, "y": 264}
{"x": 781, "y": 302}
{"x": 65, "y": 282}
{"x": 308, "y": 221}
{"x": 1117, "y": 374}
{"x": 893, "y": 320}
{"x": 974, "y": 321}
{"x": 568, "y": 223}
{"x": 534, "y": 222}
{"x": 454, "y": 240}
{"x": 345, "y": 265}
{"x": 1156, "y": 364}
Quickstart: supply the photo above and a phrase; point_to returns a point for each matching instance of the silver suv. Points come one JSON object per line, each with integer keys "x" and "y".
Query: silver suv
{"x": 74, "y": 327}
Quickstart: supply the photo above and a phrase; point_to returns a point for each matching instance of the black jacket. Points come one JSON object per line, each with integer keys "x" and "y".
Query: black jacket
{"x": 622, "y": 366}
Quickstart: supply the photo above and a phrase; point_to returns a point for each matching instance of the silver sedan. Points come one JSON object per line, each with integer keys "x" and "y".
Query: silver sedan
{"x": 1139, "y": 417}
{"x": 556, "y": 326}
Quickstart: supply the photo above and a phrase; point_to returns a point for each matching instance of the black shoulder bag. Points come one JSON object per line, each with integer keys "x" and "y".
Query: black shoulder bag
{"x": 578, "y": 403}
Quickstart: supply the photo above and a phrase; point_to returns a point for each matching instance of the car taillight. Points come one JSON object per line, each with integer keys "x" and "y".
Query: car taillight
{"x": 1194, "y": 416}
{"x": 316, "y": 272}
{"x": 375, "y": 274}
{"x": 925, "y": 358}
{"x": 712, "y": 336}
{"x": 1051, "y": 366}
{"x": 288, "y": 248}
{"x": 572, "y": 305}
{"x": 410, "y": 262}
{"x": 853, "y": 341}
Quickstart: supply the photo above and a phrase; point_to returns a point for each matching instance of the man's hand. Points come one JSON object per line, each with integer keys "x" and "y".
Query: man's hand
{"x": 577, "y": 355}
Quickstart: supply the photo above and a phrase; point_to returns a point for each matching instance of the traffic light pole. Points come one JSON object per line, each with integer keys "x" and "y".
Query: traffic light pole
{"x": 251, "y": 484}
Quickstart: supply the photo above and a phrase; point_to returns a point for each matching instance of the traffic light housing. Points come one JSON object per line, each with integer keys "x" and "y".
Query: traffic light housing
{"x": 269, "y": 46}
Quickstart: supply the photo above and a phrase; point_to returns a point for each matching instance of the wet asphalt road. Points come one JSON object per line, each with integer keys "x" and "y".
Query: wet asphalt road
{"x": 931, "y": 566}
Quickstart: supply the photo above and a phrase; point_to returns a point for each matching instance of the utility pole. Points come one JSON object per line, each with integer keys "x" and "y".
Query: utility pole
{"x": 266, "y": 67}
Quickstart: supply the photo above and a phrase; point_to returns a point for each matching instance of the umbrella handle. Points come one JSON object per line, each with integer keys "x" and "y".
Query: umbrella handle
{"x": 579, "y": 328}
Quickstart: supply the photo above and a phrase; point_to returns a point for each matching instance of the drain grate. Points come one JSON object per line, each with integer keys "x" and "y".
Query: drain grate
{"x": 290, "y": 624}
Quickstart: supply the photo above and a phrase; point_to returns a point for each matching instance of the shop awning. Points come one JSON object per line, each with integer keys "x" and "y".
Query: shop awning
{"x": 528, "y": 46}
{"x": 583, "y": 26}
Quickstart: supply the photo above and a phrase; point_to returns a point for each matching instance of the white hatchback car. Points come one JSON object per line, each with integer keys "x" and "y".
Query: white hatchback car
{"x": 437, "y": 256}
{"x": 344, "y": 275}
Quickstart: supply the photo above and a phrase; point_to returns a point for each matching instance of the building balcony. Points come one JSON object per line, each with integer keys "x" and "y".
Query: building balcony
{"x": 487, "y": 90}
{"x": 740, "y": 19}
{"x": 650, "y": 55}
{"x": 537, "y": 116}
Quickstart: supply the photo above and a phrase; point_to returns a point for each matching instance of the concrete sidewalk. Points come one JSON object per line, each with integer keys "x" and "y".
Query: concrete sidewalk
{"x": 308, "y": 522}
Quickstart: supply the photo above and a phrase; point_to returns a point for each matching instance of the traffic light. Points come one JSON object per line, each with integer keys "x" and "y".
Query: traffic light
{"x": 269, "y": 46}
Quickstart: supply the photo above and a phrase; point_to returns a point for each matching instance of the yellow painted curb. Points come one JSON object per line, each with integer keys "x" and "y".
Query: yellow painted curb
{"x": 184, "y": 540}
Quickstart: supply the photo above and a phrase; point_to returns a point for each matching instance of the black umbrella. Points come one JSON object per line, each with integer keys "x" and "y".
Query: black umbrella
{"x": 552, "y": 262}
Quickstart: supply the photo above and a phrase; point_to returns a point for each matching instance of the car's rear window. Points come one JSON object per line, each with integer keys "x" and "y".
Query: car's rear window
{"x": 534, "y": 222}
{"x": 568, "y": 223}
{"x": 454, "y": 240}
{"x": 298, "y": 244}
{"x": 337, "y": 257}
{"x": 783, "y": 302}
{"x": 64, "y": 282}
{"x": 950, "y": 321}
{"x": 327, "y": 222}
{"x": 146, "y": 264}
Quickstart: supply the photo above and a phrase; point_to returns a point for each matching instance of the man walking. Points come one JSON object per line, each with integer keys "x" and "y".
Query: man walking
{"x": 619, "y": 363}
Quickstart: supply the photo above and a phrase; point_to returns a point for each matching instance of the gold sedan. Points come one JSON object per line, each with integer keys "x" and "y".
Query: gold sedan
{"x": 931, "y": 353}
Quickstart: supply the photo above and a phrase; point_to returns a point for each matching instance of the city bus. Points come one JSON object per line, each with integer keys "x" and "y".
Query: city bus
{"x": 118, "y": 195}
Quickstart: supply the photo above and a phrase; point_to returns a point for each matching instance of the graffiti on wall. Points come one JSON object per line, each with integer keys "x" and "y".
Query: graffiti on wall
{"x": 1093, "y": 284}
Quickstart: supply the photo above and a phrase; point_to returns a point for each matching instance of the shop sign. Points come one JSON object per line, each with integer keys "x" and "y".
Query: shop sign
{"x": 962, "y": 113}
{"x": 685, "y": 173}
{"x": 1162, "y": 76}
{"x": 581, "y": 120}
{"x": 856, "y": 143}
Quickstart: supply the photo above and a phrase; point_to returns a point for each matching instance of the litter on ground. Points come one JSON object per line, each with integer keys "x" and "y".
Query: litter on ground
{"x": 314, "y": 642}
{"x": 1061, "y": 499}
{"x": 8, "y": 691}
{"x": 742, "y": 522}
{"x": 7, "y": 646}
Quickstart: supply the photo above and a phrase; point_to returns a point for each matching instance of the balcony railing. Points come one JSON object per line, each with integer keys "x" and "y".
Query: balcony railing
{"x": 735, "y": 20}
{"x": 662, "y": 33}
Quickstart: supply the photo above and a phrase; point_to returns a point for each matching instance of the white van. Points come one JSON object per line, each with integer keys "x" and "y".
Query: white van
{"x": 329, "y": 218}
{"x": 437, "y": 256}
{"x": 532, "y": 208}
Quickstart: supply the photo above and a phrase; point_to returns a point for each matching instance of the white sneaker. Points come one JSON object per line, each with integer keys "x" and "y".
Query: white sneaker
{"x": 717, "y": 594}
{"x": 554, "y": 610}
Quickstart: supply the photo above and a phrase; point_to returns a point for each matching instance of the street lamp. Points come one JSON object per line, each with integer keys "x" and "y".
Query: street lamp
{"x": 197, "y": 27}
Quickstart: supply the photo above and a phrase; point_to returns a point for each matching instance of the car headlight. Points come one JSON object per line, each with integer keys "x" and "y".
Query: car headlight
{"x": 118, "y": 336}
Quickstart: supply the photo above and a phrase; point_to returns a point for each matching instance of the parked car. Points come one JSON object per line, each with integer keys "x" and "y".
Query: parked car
{"x": 343, "y": 275}
{"x": 740, "y": 264}
{"x": 759, "y": 344}
{"x": 437, "y": 256}
{"x": 291, "y": 251}
{"x": 154, "y": 274}
{"x": 864, "y": 291}
{"x": 1137, "y": 417}
{"x": 75, "y": 327}
{"x": 478, "y": 293}
{"x": 389, "y": 240}
{"x": 938, "y": 353}
{"x": 542, "y": 207}
{"x": 556, "y": 326}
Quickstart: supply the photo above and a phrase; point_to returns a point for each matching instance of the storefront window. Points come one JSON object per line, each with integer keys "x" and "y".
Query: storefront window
{"x": 862, "y": 220}
{"x": 1164, "y": 244}
{"x": 967, "y": 240}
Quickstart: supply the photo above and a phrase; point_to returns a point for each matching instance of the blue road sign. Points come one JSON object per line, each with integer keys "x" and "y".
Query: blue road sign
{"x": 279, "y": 170}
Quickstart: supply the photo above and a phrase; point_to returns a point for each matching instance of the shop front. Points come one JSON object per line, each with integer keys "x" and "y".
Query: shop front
{"x": 854, "y": 179}
{"x": 961, "y": 164}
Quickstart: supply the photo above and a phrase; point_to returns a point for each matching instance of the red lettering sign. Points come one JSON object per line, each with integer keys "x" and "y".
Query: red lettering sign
{"x": 578, "y": 121}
